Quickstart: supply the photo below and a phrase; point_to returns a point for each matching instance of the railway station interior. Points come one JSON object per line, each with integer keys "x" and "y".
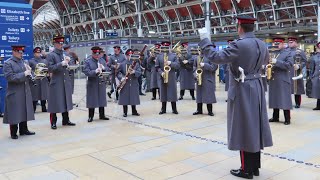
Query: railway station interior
{"x": 153, "y": 146}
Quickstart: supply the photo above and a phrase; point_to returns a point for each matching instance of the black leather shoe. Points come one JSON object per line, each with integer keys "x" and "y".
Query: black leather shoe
{"x": 53, "y": 126}
{"x": 273, "y": 120}
{"x": 109, "y": 95}
{"x": 69, "y": 123}
{"x": 1, "y": 115}
{"x": 124, "y": 115}
{"x": 141, "y": 94}
{"x": 175, "y": 112}
{"x": 256, "y": 172}
{"x": 180, "y": 98}
{"x": 241, "y": 173}
{"x": 315, "y": 109}
{"x": 193, "y": 98}
{"x": 297, "y": 106}
{"x": 103, "y": 118}
{"x": 27, "y": 133}
{"x": 14, "y": 136}
{"x": 90, "y": 119}
{"x": 286, "y": 123}
{"x": 226, "y": 100}
{"x": 135, "y": 114}
{"x": 162, "y": 112}
{"x": 211, "y": 114}
{"x": 197, "y": 112}
{"x": 153, "y": 98}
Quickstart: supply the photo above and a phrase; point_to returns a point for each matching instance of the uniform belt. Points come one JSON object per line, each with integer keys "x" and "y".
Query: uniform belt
{"x": 249, "y": 77}
{"x": 252, "y": 76}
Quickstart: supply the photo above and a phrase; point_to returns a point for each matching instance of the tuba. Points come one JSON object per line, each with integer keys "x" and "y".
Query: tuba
{"x": 199, "y": 70}
{"x": 41, "y": 71}
{"x": 166, "y": 68}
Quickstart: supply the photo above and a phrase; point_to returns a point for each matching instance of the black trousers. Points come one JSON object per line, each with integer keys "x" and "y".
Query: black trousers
{"x": 65, "y": 118}
{"x": 23, "y": 127}
{"x": 173, "y": 106}
{"x": 199, "y": 107}
{"x": 297, "y": 99}
{"x": 285, "y": 112}
{"x": 250, "y": 161}
{"x": 133, "y": 109}
{"x": 318, "y": 103}
{"x": 154, "y": 92}
{"x": 191, "y": 93}
{"x": 43, "y": 104}
{"x": 101, "y": 112}
{"x": 113, "y": 86}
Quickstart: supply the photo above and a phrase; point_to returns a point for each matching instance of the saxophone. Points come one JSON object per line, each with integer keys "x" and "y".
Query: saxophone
{"x": 199, "y": 70}
{"x": 166, "y": 68}
{"x": 269, "y": 67}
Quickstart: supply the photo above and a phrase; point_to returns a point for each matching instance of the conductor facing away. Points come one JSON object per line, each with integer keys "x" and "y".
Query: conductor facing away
{"x": 247, "y": 119}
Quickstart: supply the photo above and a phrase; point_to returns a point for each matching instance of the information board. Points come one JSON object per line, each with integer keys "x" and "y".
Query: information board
{"x": 15, "y": 28}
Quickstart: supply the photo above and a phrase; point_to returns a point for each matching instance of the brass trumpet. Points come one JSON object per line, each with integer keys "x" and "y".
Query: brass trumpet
{"x": 177, "y": 49}
{"x": 166, "y": 68}
{"x": 199, "y": 70}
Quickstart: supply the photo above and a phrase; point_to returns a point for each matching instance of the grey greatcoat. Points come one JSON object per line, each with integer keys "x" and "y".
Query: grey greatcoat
{"x": 168, "y": 92}
{"x": 18, "y": 101}
{"x": 112, "y": 64}
{"x": 206, "y": 92}
{"x": 186, "y": 75}
{"x": 154, "y": 74}
{"x": 280, "y": 83}
{"x": 40, "y": 91}
{"x": 129, "y": 94}
{"x": 315, "y": 75}
{"x": 71, "y": 72}
{"x": 248, "y": 125}
{"x": 96, "y": 86}
{"x": 60, "y": 90}
{"x": 300, "y": 84}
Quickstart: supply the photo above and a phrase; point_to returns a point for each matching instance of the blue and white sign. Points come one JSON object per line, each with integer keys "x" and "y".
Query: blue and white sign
{"x": 15, "y": 28}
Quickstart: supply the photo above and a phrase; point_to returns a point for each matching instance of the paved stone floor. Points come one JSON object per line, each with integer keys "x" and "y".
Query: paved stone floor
{"x": 155, "y": 147}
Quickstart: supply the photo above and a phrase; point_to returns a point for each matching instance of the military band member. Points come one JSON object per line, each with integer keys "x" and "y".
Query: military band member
{"x": 297, "y": 88}
{"x": 186, "y": 73}
{"x": 147, "y": 72}
{"x": 18, "y": 101}
{"x": 248, "y": 127}
{"x": 142, "y": 67}
{"x": 113, "y": 64}
{"x": 73, "y": 61}
{"x": 60, "y": 87}
{"x": 154, "y": 84}
{"x": 96, "y": 84}
{"x": 280, "y": 83}
{"x": 315, "y": 76}
{"x": 129, "y": 72}
{"x": 40, "y": 91}
{"x": 168, "y": 91}
{"x": 205, "y": 91}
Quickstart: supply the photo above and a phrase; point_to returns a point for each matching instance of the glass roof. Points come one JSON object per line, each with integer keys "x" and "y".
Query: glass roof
{"x": 45, "y": 13}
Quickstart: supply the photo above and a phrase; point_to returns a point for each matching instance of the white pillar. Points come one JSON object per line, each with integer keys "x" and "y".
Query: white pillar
{"x": 95, "y": 34}
{"x": 207, "y": 17}
{"x": 140, "y": 34}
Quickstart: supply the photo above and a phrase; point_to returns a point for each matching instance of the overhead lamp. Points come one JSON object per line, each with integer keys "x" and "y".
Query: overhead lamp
{"x": 296, "y": 30}
{"x": 316, "y": 34}
{"x": 152, "y": 32}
